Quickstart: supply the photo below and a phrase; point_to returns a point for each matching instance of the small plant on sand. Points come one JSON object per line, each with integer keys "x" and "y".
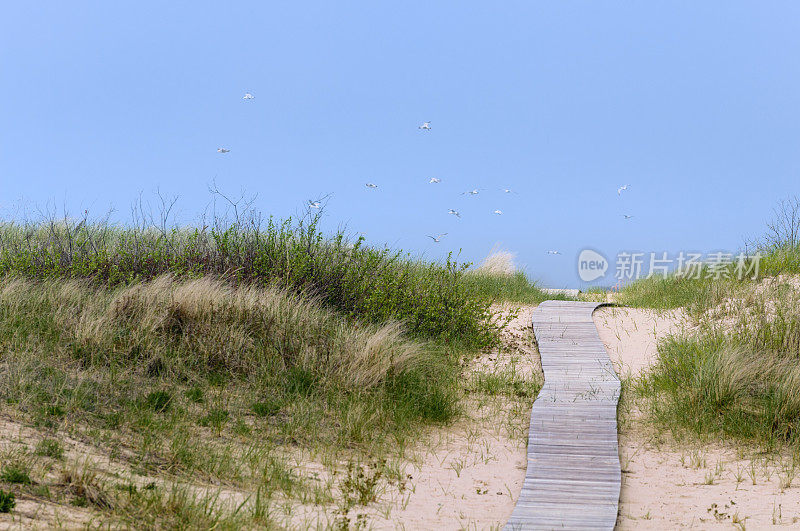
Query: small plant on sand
{"x": 215, "y": 418}
{"x": 15, "y": 473}
{"x": 50, "y": 448}
{"x": 83, "y": 483}
{"x": 359, "y": 486}
{"x": 267, "y": 408}
{"x": 195, "y": 394}
{"x": 158, "y": 401}
{"x": 7, "y": 501}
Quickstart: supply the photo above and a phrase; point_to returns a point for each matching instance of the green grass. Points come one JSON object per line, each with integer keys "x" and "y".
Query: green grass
{"x": 665, "y": 293}
{"x": 695, "y": 295}
{"x": 780, "y": 259}
{"x": 219, "y": 356}
{"x": 15, "y": 473}
{"x": 514, "y": 288}
{"x": 204, "y": 382}
{"x": 433, "y": 300}
{"x": 736, "y": 375}
{"x": 50, "y": 448}
{"x": 154, "y": 353}
{"x": 505, "y": 383}
{"x": 7, "y": 501}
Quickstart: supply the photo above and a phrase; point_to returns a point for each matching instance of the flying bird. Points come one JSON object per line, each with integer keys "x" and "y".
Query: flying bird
{"x": 426, "y": 126}
{"x": 371, "y": 185}
{"x": 454, "y": 212}
{"x": 223, "y": 150}
{"x": 248, "y": 96}
{"x": 622, "y": 189}
{"x": 553, "y": 252}
{"x": 498, "y": 212}
{"x": 627, "y": 216}
{"x": 313, "y": 204}
{"x": 434, "y": 180}
{"x": 507, "y": 190}
{"x": 437, "y": 239}
{"x": 476, "y": 191}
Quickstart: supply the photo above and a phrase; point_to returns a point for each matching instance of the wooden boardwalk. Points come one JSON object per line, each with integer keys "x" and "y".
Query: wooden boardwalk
{"x": 573, "y": 477}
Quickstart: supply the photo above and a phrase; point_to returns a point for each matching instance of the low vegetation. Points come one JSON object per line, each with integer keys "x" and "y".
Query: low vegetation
{"x": 206, "y": 381}
{"x": 734, "y": 373}
{"x": 780, "y": 245}
{"x": 234, "y": 373}
{"x": 116, "y": 356}
{"x": 368, "y": 284}
{"x": 497, "y": 279}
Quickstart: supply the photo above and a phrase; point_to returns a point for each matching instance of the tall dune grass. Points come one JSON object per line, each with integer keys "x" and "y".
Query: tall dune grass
{"x": 88, "y": 352}
{"x": 498, "y": 263}
{"x": 737, "y": 372}
{"x": 376, "y": 285}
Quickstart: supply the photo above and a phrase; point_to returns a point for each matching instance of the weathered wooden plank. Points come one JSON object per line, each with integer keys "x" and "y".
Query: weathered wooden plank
{"x": 573, "y": 476}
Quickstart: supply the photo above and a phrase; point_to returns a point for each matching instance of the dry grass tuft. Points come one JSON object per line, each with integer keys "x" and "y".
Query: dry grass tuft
{"x": 498, "y": 263}
{"x": 203, "y": 324}
{"x": 82, "y": 482}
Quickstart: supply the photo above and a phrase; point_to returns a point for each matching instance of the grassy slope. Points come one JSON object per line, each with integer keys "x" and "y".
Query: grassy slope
{"x": 735, "y": 373}
{"x": 360, "y": 282}
{"x": 184, "y": 351}
{"x": 186, "y": 376}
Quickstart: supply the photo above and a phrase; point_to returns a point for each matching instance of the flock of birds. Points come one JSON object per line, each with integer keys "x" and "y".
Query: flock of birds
{"x": 426, "y": 127}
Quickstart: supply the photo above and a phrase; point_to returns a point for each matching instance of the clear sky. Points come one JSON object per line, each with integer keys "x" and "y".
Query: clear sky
{"x": 694, "y": 104}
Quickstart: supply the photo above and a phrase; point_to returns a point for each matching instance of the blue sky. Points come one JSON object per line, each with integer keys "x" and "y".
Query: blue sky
{"x": 695, "y": 105}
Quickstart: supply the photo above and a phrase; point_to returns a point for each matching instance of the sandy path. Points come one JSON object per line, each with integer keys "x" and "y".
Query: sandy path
{"x": 666, "y": 485}
{"x": 469, "y": 478}
{"x": 469, "y": 475}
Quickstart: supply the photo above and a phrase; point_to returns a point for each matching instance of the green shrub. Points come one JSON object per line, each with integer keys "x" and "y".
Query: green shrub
{"x": 433, "y": 300}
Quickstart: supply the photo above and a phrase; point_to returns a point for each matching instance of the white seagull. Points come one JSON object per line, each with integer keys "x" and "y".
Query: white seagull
{"x": 476, "y": 191}
{"x": 371, "y": 185}
{"x": 498, "y": 212}
{"x": 313, "y": 204}
{"x": 622, "y": 189}
{"x": 454, "y": 212}
{"x": 507, "y": 190}
{"x": 553, "y": 252}
{"x": 627, "y": 216}
{"x": 437, "y": 239}
{"x": 426, "y": 126}
{"x": 223, "y": 150}
{"x": 248, "y": 96}
{"x": 434, "y": 180}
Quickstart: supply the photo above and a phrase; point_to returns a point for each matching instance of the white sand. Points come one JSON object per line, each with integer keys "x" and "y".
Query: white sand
{"x": 469, "y": 475}
{"x": 631, "y": 335}
{"x": 469, "y": 478}
{"x": 667, "y": 485}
